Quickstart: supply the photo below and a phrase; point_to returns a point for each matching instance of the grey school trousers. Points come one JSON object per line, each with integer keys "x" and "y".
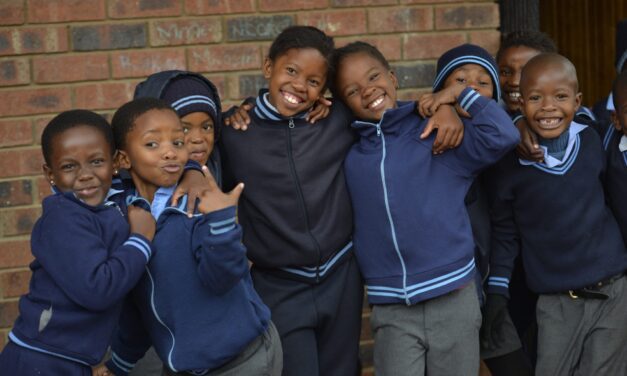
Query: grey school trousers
{"x": 583, "y": 337}
{"x": 262, "y": 357}
{"x": 439, "y": 336}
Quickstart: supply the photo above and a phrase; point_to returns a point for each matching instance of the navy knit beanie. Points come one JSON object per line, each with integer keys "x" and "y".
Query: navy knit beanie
{"x": 621, "y": 45}
{"x": 466, "y": 54}
{"x": 187, "y": 94}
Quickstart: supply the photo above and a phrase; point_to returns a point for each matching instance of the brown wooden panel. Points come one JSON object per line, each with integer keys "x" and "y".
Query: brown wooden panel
{"x": 584, "y": 31}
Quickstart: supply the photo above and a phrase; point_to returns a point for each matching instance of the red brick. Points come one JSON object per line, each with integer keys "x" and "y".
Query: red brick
{"x": 16, "y": 192}
{"x": 14, "y": 72}
{"x": 90, "y": 37}
{"x": 3, "y": 339}
{"x": 14, "y": 41}
{"x": 430, "y": 46}
{"x": 15, "y": 132}
{"x": 143, "y": 8}
{"x": 8, "y": 313}
{"x": 220, "y": 83}
{"x": 34, "y": 101}
{"x": 390, "y": 46}
{"x": 14, "y": 283}
{"x": 109, "y": 95}
{"x": 43, "y": 189}
{"x": 20, "y": 162}
{"x": 203, "y": 7}
{"x": 283, "y": 5}
{"x": 224, "y": 58}
{"x": 19, "y": 221}
{"x": 43, "y": 11}
{"x": 143, "y": 63}
{"x": 83, "y": 67}
{"x": 347, "y": 22}
{"x": 198, "y": 31}
{"x": 488, "y": 39}
{"x": 400, "y": 19}
{"x": 11, "y": 12}
{"x": 15, "y": 253}
{"x": 356, "y": 3}
{"x": 38, "y": 127}
{"x": 466, "y": 17}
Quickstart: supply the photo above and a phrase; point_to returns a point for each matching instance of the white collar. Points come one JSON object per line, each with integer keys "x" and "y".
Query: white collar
{"x": 551, "y": 161}
{"x": 622, "y": 146}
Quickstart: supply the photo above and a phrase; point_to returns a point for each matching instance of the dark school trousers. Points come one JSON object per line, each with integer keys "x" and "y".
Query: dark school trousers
{"x": 16, "y": 360}
{"x": 319, "y": 323}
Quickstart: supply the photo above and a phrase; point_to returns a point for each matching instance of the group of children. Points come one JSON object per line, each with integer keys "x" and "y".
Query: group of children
{"x": 268, "y": 279}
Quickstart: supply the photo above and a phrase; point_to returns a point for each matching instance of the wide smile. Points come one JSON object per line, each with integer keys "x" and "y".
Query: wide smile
{"x": 549, "y": 123}
{"x": 377, "y": 103}
{"x": 513, "y": 96}
{"x": 291, "y": 99}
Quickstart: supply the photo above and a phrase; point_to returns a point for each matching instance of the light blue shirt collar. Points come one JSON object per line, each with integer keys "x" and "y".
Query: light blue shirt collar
{"x": 550, "y": 161}
{"x": 159, "y": 202}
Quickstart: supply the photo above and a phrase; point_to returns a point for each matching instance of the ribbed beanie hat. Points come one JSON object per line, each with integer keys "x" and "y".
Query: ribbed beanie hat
{"x": 187, "y": 94}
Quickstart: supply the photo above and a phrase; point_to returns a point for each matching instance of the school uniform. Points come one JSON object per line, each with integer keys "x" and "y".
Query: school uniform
{"x": 297, "y": 222}
{"x": 615, "y": 145}
{"x": 413, "y": 238}
{"x": 554, "y": 213}
{"x": 85, "y": 263}
{"x": 195, "y": 304}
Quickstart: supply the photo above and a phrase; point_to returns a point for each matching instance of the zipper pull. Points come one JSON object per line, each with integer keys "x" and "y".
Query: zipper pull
{"x": 378, "y": 130}
{"x": 291, "y": 125}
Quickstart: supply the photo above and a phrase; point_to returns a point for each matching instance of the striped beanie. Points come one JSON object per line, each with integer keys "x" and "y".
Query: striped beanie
{"x": 187, "y": 94}
{"x": 466, "y": 54}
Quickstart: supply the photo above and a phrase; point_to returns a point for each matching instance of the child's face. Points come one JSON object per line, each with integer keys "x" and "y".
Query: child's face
{"x": 296, "y": 79}
{"x": 511, "y": 62}
{"x": 366, "y": 86}
{"x": 198, "y": 129}
{"x": 473, "y": 76}
{"x": 81, "y": 162}
{"x": 619, "y": 117}
{"x": 155, "y": 152}
{"x": 549, "y": 99}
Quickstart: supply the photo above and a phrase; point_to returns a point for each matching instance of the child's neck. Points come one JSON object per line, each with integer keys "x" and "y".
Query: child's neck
{"x": 145, "y": 189}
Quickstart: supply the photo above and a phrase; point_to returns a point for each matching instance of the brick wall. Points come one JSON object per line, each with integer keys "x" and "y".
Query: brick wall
{"x": 61, "y": 54}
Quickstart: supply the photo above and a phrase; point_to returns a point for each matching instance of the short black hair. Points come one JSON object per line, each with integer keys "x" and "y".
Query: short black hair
{"x": 527, "y": 38}
{"x": 620, "y": 84}
{"x": 301, "y": 37}
{"x": 351, "y": 49}
{"x": 70, "y": 119}
{"x": 124, "y": 118}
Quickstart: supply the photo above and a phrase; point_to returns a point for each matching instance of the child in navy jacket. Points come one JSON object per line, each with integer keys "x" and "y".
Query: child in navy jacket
{"x": 412, "y": 235}
{"x": 85, "y": 260}
{"x": 555, "y": 214}
{"x": 195, "y": 304}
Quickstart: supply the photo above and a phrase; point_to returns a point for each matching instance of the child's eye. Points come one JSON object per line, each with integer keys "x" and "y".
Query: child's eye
{"x": 350, "y": 92}
{"x": 561, "y": 96}
{"x": 374, "y": 77}
{"x": 290, "y": 70}
{"x": 314, "y": 83}
{"x": 506, "y": 72}
{"x": 178, "y": 143}
{"x": 207, "y": 127}
{"x": 534, "y": 97}
{"x": 185, "y": 130}
{"x": 461, "y": 80}
{"x": 67, "y": 166}
{"x": 151, "y": 144}
{"x": 483, "y": 83}
{"x": 97, "y": 162}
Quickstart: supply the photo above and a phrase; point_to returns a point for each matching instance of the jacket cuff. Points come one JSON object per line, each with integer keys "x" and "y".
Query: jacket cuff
{"x": 140, "y": 243}
{"x": 498, "y": 285}
{"x": 192, "y": 165}
{"x": 221, "y": 221}
{"x": 471, "y": 101}
{"x": 119, "y": 366}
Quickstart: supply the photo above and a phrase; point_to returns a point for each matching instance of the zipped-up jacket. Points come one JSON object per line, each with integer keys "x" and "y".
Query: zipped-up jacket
{"x": 295, "y": 210}
{"x": 413, "y": 239}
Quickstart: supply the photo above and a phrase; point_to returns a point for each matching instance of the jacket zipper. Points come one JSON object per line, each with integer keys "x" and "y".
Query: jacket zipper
{"x": 389, "y": 212}
{"x": 301, "y": 198}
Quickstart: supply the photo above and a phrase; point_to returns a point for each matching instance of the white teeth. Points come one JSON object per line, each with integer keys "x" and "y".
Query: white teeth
{"x": 290, "y": 98}
{"x": 376, "y": 102}
{"x": 549, "y": 122}
{"x": 514, "y": 95}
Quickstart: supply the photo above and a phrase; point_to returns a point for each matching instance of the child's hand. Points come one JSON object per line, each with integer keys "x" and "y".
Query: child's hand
{"x": 192, "y": 184}
{"x": 240, "y": 118}
{"x": 320, "y": 110}
{"x": 141, "y": 222}
{"x": 428, "y": 104}
{"x": 213, "y": 199}
{"x": 101, "y": 370}
{"x": 450, "y": 129}
{"x": 528, "y": 147}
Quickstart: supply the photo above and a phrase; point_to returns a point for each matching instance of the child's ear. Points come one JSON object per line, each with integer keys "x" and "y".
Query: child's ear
{"x": 122, "y": 160}
{"x": 267, "y": 68}
{"x": 394, "y": 79}
{"x": 116, "y": 163}
{"x": 578, "y": 98}
{"x": 616, "y": 121}
{"x": 48, "y": 173}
